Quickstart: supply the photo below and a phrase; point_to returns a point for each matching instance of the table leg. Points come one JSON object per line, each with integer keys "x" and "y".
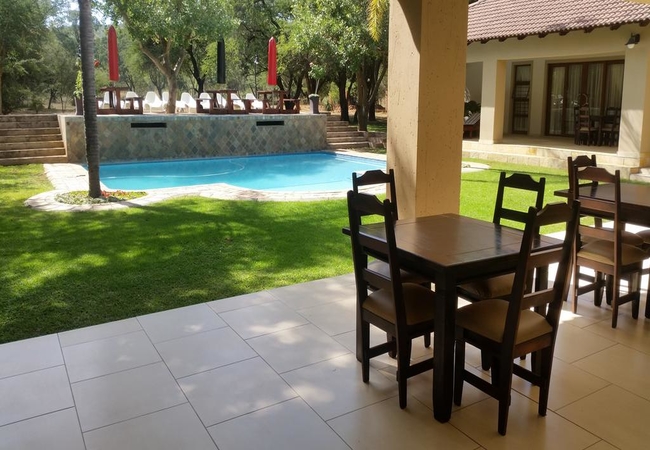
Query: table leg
{"x": 443, "y": 359}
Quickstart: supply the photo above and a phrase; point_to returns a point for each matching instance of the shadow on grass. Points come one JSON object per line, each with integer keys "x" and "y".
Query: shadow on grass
{"x": 63, "y": 271}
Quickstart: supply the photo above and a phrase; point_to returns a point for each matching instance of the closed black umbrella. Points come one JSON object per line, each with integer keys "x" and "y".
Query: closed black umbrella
{"x": 221, "y": 61}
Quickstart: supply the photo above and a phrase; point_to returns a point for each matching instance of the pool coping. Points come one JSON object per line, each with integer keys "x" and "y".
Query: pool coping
{"x": 67, "y": 177}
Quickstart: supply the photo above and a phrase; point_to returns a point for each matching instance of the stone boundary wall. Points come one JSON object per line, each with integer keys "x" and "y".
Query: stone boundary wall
{"x": 166, "y": 136}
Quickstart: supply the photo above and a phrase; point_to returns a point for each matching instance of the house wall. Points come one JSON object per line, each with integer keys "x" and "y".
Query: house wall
{"x": 600, "y": 44}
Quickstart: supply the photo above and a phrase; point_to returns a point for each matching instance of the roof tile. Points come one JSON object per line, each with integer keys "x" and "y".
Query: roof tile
{"x": 501, "y": 19}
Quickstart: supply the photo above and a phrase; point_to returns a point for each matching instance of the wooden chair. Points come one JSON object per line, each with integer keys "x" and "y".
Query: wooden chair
{"x": 507, "y": 329}
{"x": 609, "y": 127}
{"x": 499, "y": 287}
{"x": 378, "y": 177}
{"x": 472, "y": 125}
{"x": 403, "y": 310}
{"x": 604, "y": 250}
{"x": 586, "y": 131}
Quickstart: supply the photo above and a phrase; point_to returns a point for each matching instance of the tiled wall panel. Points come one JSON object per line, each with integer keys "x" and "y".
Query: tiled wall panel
{"x": 133, "y": 138}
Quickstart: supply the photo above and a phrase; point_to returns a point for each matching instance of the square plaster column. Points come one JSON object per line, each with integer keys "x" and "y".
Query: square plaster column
{"x": 634, "y": 139}
{"x": 426, "y": 83}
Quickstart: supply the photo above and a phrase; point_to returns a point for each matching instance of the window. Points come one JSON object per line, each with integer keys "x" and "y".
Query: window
{"x": 520, "y": 99}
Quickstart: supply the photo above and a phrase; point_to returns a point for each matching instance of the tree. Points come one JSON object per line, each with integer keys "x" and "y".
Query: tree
{"x": 22, "y": 29}
{"x": 164, "y": 30}
{"x": 90, "y": 99}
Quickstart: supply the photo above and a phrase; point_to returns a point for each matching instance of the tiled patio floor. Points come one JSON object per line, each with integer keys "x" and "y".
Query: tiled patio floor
{"x": 275, "y": 370}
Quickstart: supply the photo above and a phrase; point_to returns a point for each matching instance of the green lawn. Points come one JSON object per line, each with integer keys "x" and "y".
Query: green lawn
{"x": 62, "y": 271}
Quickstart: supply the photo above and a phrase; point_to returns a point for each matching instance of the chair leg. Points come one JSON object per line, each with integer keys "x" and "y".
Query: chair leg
{"x": 459, "y": 369}
{"x": 647, "y": 302}
{"x": 599, "y": 279}
{"x": 485, "y": 360}
{"x": 403, "y": 363}
{"x": 576, "y": 283}
{"x": 615, "y": 295}
{"x": 546, "y": 366}
{"x": 505, "y": 386}
{"x": 365, "y": 351}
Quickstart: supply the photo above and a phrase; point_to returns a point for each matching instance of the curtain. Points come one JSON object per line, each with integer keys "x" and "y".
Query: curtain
{"x": 614, "y": 95}
{"x": 595, "y": 75}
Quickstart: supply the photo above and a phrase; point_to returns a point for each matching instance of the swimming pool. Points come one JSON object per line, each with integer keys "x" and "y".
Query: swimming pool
{"x": 317, "y": 171}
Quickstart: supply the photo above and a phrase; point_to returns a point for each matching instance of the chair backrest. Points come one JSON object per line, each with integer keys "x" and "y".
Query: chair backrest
{"x": 584, "y": 118}
{"x": 165, "y": 97}
{"x": 205, "y": 103}
{"x": 599, "y": 208}
{"x": 130, "y": 94}
{"x": 188, "y": 100}
{"x": 151, "y": 98}
{"x": 374, "y": 177}
{"x": 579, "y": 161}
{"x": 511, "y": 184}
{"x": 547, "y": 302}
{"x": 250, "y": 96}
{"x": 361, "y": 205}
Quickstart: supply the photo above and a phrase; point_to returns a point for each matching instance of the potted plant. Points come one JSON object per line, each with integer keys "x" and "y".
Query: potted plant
{"x": 313, "y": 103}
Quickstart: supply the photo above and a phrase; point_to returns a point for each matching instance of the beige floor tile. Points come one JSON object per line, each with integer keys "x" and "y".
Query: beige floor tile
{"x": 56, "y": 431}
{"x": 262, "y": 319}
{"x": 333, "y": 318}
{"x": 385, "y": 426}
{"x": 172, "y": 429}
{"x": 110, "y": 355}
{"x": 291, "y": 425}
{"x": 587, "y": 314}
{"x": 335, "y": 387}
{"x": 296, "y": 347}
{"x": 97, "y": 332}
{"x": 568, "y": 384}
{"x": 29, "y": 355}
{"x": 575, "y": 343}
{"x": 242, "y": 301}
{"x": 34, "y": 393}
{"x": 235, "y": 390}
{"x": 630, "y": 332}
{"x": 204, "y": 351}
{"x": 622, "y": 366}
{"x": 615, "y": 415}
{"x": 180, "y": 322}
{"x": 125, "y": 395}
{"x": 314, "y": 293}
{"x": 526, "y": 429}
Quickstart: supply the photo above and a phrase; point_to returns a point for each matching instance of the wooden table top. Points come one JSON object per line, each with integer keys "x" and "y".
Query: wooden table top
{"x": 635, "y": 200}
{"x": 467, "y": 247}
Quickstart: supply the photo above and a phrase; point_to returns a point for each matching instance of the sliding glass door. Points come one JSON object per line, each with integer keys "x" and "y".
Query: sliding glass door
{"x": 598, "y": 85}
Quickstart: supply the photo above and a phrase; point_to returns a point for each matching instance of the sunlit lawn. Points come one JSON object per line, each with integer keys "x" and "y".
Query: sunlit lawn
{"x": 62, "y": 271}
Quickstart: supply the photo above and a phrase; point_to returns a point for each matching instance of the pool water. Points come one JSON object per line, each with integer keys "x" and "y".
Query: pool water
{"x": 317, "y": 171}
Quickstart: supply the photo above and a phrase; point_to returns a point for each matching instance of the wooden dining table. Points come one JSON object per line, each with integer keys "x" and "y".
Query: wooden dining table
{"x": 635, "y": 200}
{"x": 450, "y": 249}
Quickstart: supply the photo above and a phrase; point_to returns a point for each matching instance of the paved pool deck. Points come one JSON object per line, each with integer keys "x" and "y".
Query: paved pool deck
{"x": 73, "y": 177}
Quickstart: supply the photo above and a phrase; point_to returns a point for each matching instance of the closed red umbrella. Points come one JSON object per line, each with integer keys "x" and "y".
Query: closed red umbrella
{"x": 272, "y": 77}
{"x": 113, "y": 60}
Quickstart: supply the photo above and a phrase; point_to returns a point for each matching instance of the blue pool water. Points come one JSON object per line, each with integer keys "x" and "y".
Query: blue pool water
{"x": 318, "y": 171}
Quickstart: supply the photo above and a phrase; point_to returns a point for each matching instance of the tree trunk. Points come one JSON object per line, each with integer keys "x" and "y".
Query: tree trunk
{"x": 90, "y": 100}
{"x": 173, "y": 87}
{"x": 362, "y": 101}
{"x": 343, "y": 99}
{"x": 371, "y": 111}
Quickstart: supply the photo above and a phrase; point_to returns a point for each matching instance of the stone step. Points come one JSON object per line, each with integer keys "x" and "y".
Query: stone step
{"x": 29, "y": 125}
{"x": 29, "y": 138}
{"x": 334, "y": 139}
{"x": 344, "y": 145}
{"x": 30, "y": 145}
{"x": 29, "y": 131}
{"x": 27, "y": 117}
{"x": 32, "y": 152}
{"x": 33, "y": 160}
{"x": 345, "y": 133}
{"x": 643, "y": 175}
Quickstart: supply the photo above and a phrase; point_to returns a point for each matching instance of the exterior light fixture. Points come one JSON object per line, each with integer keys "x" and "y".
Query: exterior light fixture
{"x": 634, "y": 39}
